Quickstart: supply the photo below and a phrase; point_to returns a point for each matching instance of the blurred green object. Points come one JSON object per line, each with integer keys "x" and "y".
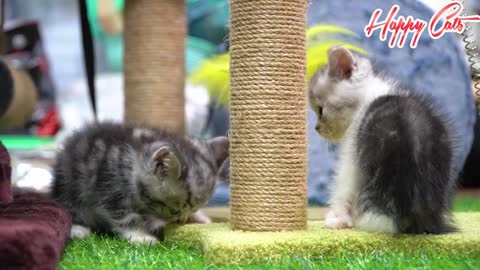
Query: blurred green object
{"x": 114, "y": 51}
{"x": 197, "y": 50}
{"x": 93, "y": 18}
{"x": 24, "y": 142}
{"x": 208, "y": 19}
{"x": 113, "y": 43}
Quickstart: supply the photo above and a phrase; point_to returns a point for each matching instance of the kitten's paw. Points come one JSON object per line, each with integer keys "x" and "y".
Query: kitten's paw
{"x": 79, "y": 232}
{"x": 199, "y": 217}
{"x": 139, "y": 237}
{"x": 155, "y": 224}
{"x": 156, "y": 227}
{"x": 334, "y": 221}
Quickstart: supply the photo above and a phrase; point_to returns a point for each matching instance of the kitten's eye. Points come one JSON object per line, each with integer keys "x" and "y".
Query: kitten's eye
{"x": 320, "y": 111}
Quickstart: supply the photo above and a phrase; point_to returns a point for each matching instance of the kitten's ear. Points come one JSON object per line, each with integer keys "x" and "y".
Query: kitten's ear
{"x": 220, "y": 147}
{"x": 341, "y": 63}
{"x": 166, "y": 163}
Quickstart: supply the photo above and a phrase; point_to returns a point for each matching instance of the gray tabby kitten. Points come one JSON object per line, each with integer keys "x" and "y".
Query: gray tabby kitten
{"x": 394, "y": 171}
{"x": 131, "y": 180}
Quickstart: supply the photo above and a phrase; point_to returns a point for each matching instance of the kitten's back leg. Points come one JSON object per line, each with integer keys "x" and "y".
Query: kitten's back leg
{"x": 372, "y": 221}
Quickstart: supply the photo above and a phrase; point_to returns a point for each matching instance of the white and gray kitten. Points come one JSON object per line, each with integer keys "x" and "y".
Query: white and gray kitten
{"x": 131, "y": 180}
{"x": 394, "y": 171}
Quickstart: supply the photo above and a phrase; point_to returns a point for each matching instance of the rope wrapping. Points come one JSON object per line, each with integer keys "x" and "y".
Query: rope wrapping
{"x": 268, "y": 144}
{"x": 154, "y": 39}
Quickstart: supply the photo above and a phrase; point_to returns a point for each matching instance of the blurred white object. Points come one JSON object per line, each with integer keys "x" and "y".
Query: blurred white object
{"x": 36, "y": 178}
{"x": 30, "y": 176}
{"x": 76, "y": 111}
{"x": 196, "y": 108}
{"x": 74, "y": 103}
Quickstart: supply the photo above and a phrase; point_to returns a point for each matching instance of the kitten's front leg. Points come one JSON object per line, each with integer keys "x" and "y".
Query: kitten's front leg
{"x": 135, "y": 228}
{"x": 338, "y": 218}
{"x": 340, "y": 212}
{"x": 79, "y": 232}
{"x": 195, "y": 217}
{"x": 156, "y": 227}
{"x": 199, "y": 217}
{"x": 137, "y": 236}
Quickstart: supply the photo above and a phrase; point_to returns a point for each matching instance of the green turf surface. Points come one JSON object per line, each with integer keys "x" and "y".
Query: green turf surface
{"x": 106, "y": 253}
{"x": 101, "y": 252}
{"x": 467, "y": 204}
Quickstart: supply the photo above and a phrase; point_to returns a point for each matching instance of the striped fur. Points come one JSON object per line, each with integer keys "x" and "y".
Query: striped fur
{"x": 132, "y": 180}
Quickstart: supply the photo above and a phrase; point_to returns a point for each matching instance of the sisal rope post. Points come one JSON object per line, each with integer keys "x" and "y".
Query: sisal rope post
{"x": 154, "y": 39}
{"x": 268, "y": 115}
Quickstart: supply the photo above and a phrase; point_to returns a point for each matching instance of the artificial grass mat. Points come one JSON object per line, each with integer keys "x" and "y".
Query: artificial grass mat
{"x": 103, "y": 252}
{"x": 221, "y": 245}
{"x": 107, "y": 253}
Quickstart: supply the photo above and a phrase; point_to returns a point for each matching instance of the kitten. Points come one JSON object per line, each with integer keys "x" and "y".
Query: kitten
{"x": 394, "y": 170}
{"x": 131, "y": 180}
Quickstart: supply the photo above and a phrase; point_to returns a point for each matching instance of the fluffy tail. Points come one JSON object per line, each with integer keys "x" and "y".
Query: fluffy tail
{"x": 405, "y": 157}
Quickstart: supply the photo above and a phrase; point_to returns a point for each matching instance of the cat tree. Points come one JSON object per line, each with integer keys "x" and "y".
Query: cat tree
{"x": 268, "y": 115}
{"x": 268, "y": 109}
{"x": 154, "y": 62}
{"x": 268, "y": 134}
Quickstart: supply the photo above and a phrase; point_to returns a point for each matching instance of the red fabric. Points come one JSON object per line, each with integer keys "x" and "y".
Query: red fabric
{"x": 5, "y": 174}
{"x": 33, "y": 229}
{"x": 33, "y": 233}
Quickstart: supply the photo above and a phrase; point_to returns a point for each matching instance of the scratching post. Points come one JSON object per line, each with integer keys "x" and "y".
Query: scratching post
{"x": 154, "y": 62}
{"x": 268, "y": 151}
{"x": 268, "y": 115}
